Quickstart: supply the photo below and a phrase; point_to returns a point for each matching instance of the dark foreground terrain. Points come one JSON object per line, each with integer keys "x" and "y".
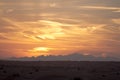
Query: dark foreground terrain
{"x": 62, "y": 70}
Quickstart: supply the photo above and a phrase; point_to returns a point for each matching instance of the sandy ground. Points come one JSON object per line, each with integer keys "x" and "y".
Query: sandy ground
{"x": 59, "y": 70}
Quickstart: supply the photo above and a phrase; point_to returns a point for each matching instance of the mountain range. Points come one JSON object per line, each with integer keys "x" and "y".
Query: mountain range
{"x": 70, "y": 57}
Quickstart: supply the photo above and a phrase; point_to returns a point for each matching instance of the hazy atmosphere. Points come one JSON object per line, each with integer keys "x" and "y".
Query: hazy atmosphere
{"x": 59, "y": 27}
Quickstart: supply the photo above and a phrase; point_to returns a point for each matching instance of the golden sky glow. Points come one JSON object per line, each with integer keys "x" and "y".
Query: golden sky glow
{"x": 58, "y": 27}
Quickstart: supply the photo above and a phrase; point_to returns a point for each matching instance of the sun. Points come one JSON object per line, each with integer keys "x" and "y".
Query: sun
{"x": 41, "y": 49}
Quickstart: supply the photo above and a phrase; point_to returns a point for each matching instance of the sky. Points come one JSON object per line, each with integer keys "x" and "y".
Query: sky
{"x": 59, "y": 27}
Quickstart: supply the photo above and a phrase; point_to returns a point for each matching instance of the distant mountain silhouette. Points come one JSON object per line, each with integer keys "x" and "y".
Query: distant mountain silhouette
{"x": 70, "y": 57}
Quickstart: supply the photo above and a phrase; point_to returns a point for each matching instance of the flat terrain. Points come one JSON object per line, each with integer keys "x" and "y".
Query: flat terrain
{"x": 59, "y": 70}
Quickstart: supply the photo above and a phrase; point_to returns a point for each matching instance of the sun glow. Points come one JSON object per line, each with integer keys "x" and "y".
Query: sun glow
{"x": 41, "y": 49}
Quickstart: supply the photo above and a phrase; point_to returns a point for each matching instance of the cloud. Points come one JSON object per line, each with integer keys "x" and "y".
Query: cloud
{"x": 3, "y": 37}
{"x": 100, "y": 7}
{"x": 76, "y": 25}
{"x": 5, "y": 54}
{"x": 99, "y": 12}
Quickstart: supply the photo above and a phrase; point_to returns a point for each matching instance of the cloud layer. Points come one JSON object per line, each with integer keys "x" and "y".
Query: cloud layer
{"x": 86, "y": 26}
